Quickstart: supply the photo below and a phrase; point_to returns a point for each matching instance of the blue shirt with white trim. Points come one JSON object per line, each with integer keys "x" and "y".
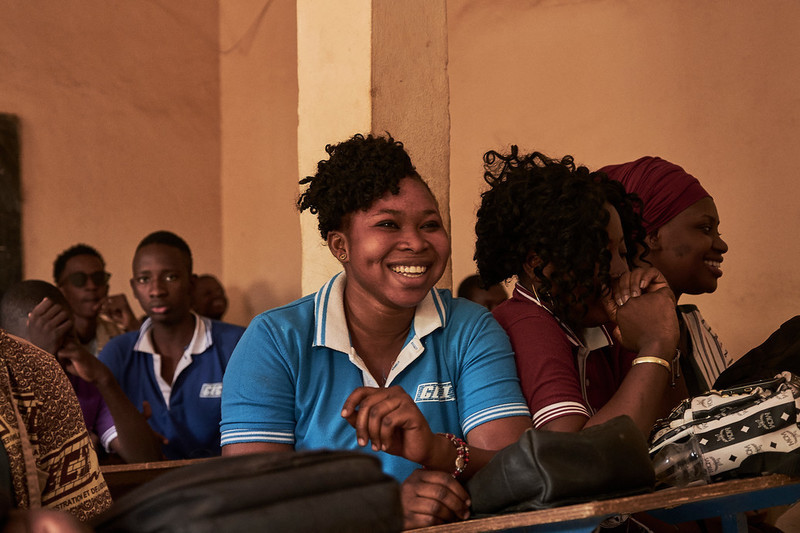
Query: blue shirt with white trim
{"x": 187, "y": 411}
{"x": 294, "y": 368}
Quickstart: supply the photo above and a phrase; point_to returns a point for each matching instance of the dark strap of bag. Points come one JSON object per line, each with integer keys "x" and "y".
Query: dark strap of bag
{"x": 548, "y": 469}
{"x": 306, "y": 491}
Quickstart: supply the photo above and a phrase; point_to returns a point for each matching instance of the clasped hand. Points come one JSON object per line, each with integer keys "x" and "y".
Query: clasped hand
{"x": 642, "y": 306}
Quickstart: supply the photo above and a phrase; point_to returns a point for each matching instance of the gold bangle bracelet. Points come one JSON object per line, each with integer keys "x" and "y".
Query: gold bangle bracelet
{"x": 656, "y": 360}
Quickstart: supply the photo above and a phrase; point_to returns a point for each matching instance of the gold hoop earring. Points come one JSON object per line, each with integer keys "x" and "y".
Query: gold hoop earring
{"x": 342, "y": 256}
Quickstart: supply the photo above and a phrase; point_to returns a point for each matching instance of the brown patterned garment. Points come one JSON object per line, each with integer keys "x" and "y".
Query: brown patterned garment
{"x": 52, "y": 461}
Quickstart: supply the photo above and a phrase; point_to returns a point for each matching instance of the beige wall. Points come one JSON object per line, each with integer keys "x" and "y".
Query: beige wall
{"x": 119, "y": 104}
{"x": 260, "y": 229}
{"x": 709, "y": 85}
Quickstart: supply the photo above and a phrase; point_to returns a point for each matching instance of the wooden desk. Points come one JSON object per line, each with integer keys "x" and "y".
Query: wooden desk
{"x": 123, "y": 478}
{"x": 727, "y": 499}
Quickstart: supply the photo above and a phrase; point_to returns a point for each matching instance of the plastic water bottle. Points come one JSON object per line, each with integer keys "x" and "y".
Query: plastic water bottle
{"x": 680, "y": 464}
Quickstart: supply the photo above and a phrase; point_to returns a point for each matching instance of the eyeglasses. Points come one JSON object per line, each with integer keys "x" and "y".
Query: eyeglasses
{"x": 80, "y": 279}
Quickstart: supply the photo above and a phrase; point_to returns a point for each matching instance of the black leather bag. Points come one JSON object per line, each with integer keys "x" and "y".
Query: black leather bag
{"x": 547, "y": 469}
{"x": 779, "y": 353}
{"x": 308, "y": 491}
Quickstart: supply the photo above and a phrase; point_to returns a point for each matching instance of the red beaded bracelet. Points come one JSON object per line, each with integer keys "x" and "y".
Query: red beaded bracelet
{"x": 462, "y": 454}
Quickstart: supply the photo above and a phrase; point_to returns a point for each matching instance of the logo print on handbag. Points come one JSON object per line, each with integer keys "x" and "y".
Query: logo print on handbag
{"x": 765, "y": 421}
{"x": 726, "y": 435}
{"x": 790, "y": 437}
{"x": 752, "y": 449}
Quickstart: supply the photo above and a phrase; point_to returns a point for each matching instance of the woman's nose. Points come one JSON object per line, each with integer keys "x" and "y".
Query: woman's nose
{"x": 720, "y": 245}
{"x": 414, "y": 240}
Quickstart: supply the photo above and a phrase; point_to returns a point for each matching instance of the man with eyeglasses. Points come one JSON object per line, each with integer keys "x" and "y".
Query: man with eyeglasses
{"x": 80, "y": 273}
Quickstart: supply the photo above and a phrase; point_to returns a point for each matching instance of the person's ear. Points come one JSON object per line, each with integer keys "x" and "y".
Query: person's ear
{"x": 337, "y": 244}
{"x": 653, "y": 241}
{"x": 531, "y": 262}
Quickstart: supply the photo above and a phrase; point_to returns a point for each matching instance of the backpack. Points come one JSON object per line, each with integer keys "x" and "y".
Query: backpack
{"x": 305, "y": 491}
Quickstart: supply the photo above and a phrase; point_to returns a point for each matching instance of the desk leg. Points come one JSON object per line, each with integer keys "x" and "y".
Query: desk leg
{"x": 734, "y": 523}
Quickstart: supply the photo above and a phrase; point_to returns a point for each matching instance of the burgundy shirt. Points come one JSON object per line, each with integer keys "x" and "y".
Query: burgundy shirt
{"x": 546, "y": 355}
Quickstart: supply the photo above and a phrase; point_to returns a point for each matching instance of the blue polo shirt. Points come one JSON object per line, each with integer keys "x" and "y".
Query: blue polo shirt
{"x": 187, "y": 411}
{"x": 294, "y": 368}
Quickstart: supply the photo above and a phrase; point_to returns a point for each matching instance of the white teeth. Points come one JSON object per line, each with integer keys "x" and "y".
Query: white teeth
{"x": 409, "y": 270}
{"x": 715, "y": 264}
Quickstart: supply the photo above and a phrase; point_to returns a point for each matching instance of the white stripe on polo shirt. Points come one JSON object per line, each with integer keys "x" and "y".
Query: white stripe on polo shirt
{"x": 233, "y": 436}
{"x": 504, "y": 410}
{"x": 556, "y": 410}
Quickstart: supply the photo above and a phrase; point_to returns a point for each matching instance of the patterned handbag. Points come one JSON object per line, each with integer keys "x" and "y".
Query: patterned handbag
{"x": 744, "y": 431}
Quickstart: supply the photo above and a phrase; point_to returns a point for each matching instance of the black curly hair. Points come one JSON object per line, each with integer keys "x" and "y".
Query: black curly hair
{"x": 554, "y": 209}
{"x": 357, "y": 172}
{"x": 60, "y": 263}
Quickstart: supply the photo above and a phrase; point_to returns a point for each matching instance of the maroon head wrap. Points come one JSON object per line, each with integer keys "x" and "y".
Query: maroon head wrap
{"x": 665, "y": 188}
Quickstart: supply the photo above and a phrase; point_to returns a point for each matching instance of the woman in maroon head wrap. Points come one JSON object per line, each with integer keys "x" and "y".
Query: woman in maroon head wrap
{"x": 682, "y": 226}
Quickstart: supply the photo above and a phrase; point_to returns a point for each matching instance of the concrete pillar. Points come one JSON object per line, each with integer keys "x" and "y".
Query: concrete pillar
{"x": 371, "y": 65}
{"x": 333, "y": 75}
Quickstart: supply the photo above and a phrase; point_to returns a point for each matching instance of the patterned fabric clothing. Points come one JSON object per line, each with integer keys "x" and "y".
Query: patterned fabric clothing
{"x": 52, "y": 461}
{"x": 705, "y": 358}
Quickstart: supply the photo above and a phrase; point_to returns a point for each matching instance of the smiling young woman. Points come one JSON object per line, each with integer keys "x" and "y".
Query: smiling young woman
{"x": 378, "y": 359}
{"x": 682, "y": 226}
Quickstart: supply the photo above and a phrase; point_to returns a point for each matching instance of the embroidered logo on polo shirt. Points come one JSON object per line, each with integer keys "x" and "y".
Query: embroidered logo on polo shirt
{"x": 435, "y": 392}
{"x": 211, "y": 390}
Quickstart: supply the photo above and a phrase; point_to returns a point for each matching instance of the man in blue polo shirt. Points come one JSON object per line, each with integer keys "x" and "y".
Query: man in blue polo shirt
{"x": 176, "y": 361}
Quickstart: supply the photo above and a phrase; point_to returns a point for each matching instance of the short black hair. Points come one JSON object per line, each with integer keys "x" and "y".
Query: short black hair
{"x": 358, "y": 172}
{"x": 60, "y": 263}
{"x": 167, "y": 238}
{"x": 554, "y": 209}
{"x": 21, "y": 298}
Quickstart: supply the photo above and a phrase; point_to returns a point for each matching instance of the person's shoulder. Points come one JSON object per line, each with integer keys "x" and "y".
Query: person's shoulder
{"x": 460, "y": 307}
{"x": 466, "y": 319}
{"x": 517, "y": 309}
{"x": 16, "y": 350}
{"x": 293, "y": 313}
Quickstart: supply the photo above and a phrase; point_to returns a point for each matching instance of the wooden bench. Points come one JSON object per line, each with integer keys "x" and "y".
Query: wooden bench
{"x": 727, "y": 499}
{"x": 122, "y": 478}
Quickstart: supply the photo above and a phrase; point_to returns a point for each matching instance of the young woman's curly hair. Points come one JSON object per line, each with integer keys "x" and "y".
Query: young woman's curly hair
{"x": 357, "y": 172}
{"x": 553, "y": 209}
